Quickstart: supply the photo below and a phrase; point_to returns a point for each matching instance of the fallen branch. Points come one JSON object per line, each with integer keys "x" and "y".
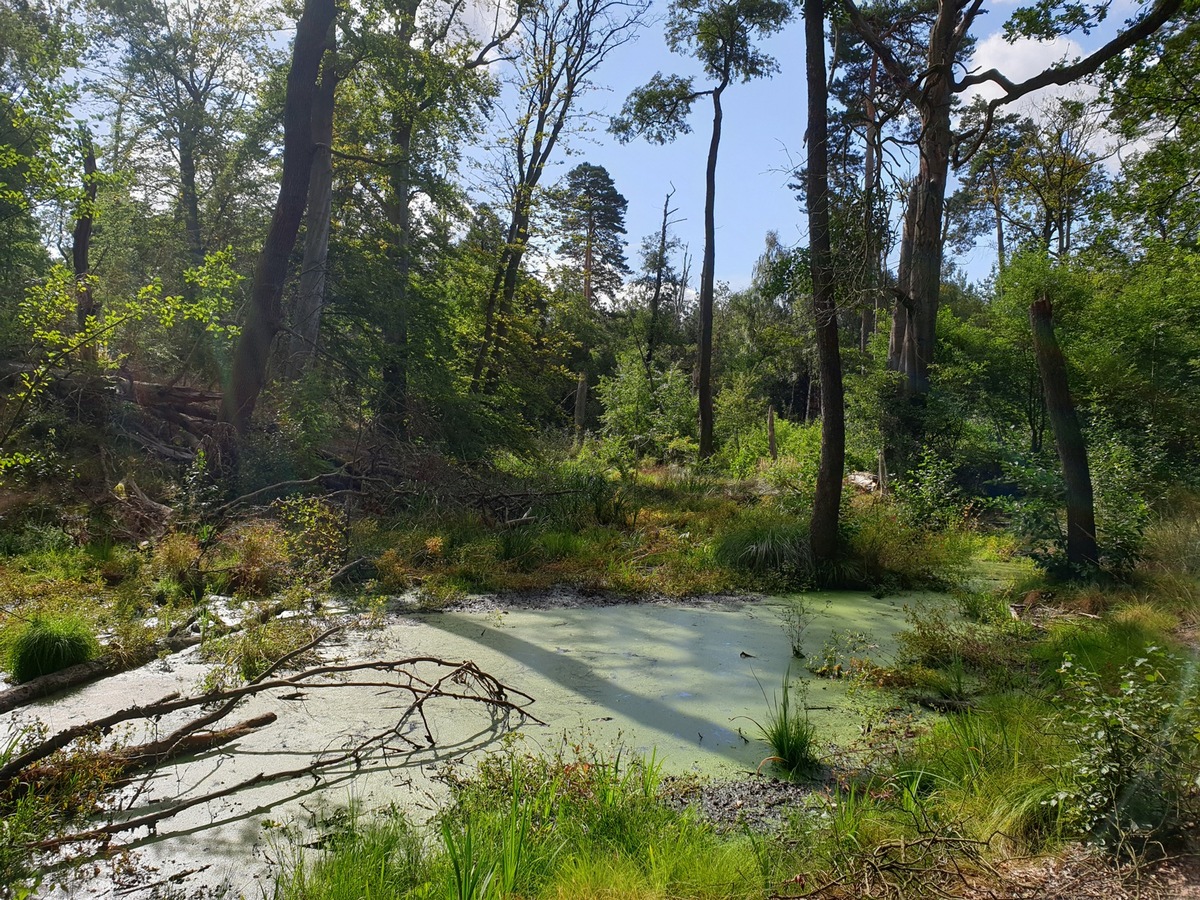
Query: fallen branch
{"x": 116, "y": 662}
{"x": 481, "y": 687}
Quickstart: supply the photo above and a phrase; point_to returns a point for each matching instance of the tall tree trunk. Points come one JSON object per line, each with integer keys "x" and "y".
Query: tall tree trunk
{"x": 872, "y": 249}
{"x": 81, "y": 244}
{"x": 189, "y": 196}
{"x": 707, "y": 275}
{"x": 772, "y": 447}
{"x": 395, "y": 323}
{"x": 581, "y": 392}
{"x": 306, "y": 321}
{"x": 502, "y": 296}
{"x": 656, "y": 297}
{"x": 249, "y": 374}
{"x": 1068, "y": 437}
{"x": 823, "y": 526}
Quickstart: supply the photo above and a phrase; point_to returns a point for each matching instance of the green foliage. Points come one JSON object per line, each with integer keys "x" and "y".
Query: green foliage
{"x": 1136, "y": 746}
{"x": 381, "y": 856}
{"x": 993, "y": 769}
{"x": 766, "y": 547}
{"x": 255, "y": 556}
{"x": 50, "y": 644}
{"x": 929, "y": 495}
{"x": 886, "y": 549}
{"x": 644, "y": 416}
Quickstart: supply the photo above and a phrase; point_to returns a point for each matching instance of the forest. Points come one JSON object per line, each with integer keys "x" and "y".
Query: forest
{"x": 320, "y": 318}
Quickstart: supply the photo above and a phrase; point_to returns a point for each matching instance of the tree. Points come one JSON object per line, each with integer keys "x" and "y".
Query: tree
{"x": 823, "y": 524}
{"x": 306, "y": 315}
{"x": 186, "y": 73}
{"x": 249, "y": 372}
{"x": 562, "y": 46}
{"x": 420, "y": 86}
{"x": 720, "y": 34}
{"x": 591, "y": 218}
{"x": 1154, "y": 91}
{"x": 931, "y": 90}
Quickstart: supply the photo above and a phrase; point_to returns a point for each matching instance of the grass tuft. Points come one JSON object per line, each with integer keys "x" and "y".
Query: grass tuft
{"x": 790, "y": 734}
{"x": 50, "y": 644}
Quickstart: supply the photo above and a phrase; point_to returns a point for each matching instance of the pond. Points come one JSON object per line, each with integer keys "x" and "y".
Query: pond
{"x": 685, "y": 681}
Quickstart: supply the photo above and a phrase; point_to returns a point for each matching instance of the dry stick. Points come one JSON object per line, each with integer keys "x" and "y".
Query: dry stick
{"x": 355, "y": 754}
{"x": 144, "y": 755}
{"x": 175, "y": 703}
{"x": 168, "y": 745}
{"x": 274, "y": 488}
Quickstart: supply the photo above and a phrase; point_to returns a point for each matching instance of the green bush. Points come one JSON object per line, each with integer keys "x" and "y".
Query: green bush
{"x": 49, "y": 645}
{"x": 1137, "y": 748}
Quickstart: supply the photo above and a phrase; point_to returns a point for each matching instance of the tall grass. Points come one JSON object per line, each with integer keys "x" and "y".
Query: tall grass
{"x": 50, "y": 644}
{"x": 788, "y": 731}
{"x": 573, "y": 825}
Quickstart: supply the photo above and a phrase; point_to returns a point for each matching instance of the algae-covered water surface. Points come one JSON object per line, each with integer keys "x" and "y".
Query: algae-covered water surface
{"x": 683, "y": 681}
{"x": 686, "y": 681}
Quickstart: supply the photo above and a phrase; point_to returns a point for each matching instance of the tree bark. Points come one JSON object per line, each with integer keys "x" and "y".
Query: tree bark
{"x": 306, "y": 319}
{"x": 656, "y": 297}
{"x": 189, "y": 196}
{"x": 1068, "y": 437}
{"x": 394, "y": 412}
{"x": 249, "y": 374}
{"x": 823, "y": 525}
{"x": 707, "y": 275}
{"x": 581, "y": 392}
{"x": 81, "y": 245}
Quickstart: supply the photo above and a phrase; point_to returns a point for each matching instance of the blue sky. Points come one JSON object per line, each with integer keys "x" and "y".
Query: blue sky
{"x": 762, "y": 141}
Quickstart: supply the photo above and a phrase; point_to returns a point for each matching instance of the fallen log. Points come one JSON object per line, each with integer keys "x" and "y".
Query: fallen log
{"x": 114, "y": 663}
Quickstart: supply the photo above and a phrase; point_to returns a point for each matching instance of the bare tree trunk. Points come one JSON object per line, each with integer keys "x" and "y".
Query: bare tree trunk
{"x": 85, "y": 302}
{"x": 581, "y": 392}
{"x": 656, "y": 297}
{"x": 771, "y": 446}
{"x": 306, "y": 321}
{"x": 249, "y": 374}
{"x": 823, "y": 525}
{"x": 189, "y": 198}
{"x": 1068, "y": 437}
{"x": 394, "y": 412}
{"x": 707, "y": 276}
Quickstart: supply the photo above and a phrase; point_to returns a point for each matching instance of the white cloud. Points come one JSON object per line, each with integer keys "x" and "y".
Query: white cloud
{"x": 1025, "y": 58}
{"x": 1019, "y": 60}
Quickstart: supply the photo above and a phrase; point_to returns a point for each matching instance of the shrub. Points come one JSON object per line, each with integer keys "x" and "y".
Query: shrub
{"x": 257, "y": 558}
{"x": 1137, "y": 750}
{"x": 49, "y": 645}
{"x": 888, "y": 550}
{"x": 928, "y": 495}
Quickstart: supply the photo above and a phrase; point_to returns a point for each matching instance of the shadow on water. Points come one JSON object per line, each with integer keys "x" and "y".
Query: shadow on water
{"x": 640, "y": 699}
